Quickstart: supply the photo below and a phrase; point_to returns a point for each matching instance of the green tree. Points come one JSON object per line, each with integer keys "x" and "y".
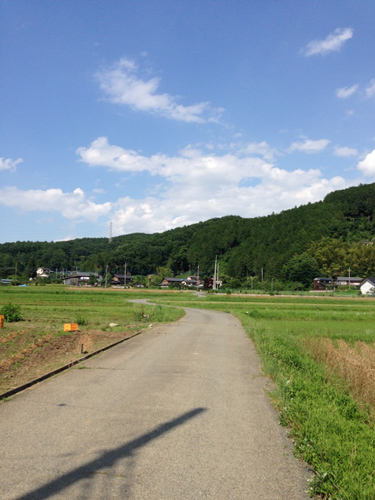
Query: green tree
{"x": 301, "y": 268}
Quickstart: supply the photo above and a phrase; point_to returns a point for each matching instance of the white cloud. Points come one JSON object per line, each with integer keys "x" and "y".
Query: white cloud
{"x": 259, "y": 148}
{"x": 200, "y": 186}
{"x": 122, "y": 85}
{"x": 309, "y": 146}
{"x": 8, "y": 164}
{"x": 345, "y": 151}
{"x": 332, "y": 43}
{"x": 73, "y": 205}
{"x": 370, "y": 90}
{"x": 367, "y": 165}
{"x": 345, "y": 92}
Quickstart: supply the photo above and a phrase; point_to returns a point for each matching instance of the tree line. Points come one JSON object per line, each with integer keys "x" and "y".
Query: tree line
{"x": 324, "y": 238}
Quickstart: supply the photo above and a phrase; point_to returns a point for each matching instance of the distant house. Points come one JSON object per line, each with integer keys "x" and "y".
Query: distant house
{"x": 121, "y": 279}
{"x": 323, "y": 284}
{"x": 191, "y": 281}
{"x": 5, "y": 281}
{"x": 368, "y": 243}
{"x": 43, "y": 272}
{"x": 171, "y": 281}
{"x": 80, "y": 278}
{"x": 367, "y": 286}
{"x": 346, "y": 280}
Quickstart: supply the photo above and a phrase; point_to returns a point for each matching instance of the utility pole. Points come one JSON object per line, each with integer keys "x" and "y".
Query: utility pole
{"x": 110, "y": 232}
{"x": 198, "y": 277}
{"x": 214, "y": 284}
{"x": 349, "y": 279}
{"x": 125, "y": 274}
{"x": 106, "y": 273}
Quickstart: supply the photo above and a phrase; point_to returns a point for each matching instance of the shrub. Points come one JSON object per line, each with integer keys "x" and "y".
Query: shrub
{"x": 11, "y": 312}
{"x": 80, "y": 320}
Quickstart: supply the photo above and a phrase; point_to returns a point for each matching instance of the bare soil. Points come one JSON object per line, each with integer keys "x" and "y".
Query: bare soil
{"x": 41, "y": 355}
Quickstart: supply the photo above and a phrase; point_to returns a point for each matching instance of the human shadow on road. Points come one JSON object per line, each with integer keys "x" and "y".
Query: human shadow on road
{"x": 108, "y": 458}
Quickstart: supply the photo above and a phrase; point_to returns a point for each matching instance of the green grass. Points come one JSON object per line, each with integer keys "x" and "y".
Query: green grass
{"x": 331, "y": 430}
{"x": 52, "y": 306}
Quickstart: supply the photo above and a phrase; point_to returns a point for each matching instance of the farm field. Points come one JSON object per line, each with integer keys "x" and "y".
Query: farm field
{"x": 38, "y": 344}
{"x": 319, "y": 351}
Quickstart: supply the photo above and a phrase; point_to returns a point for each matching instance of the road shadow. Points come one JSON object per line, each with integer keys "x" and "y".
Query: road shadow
{"x": 108, "y": 458}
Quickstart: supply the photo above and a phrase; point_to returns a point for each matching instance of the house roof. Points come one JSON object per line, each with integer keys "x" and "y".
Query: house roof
{"x": 173, "y": 280}
{"x": 370, "y": 280}
{"x": 349, "y": 278}
{"x": 82, "y": 274}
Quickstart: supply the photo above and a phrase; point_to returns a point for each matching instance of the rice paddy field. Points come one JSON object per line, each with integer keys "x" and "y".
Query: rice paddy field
{"x": 319, "y": 351}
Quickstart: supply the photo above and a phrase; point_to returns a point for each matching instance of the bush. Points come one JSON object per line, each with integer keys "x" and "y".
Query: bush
{"x": 11, "y": 312}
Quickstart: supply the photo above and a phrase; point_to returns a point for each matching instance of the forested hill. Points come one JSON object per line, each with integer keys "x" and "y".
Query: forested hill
{"x": 327, "y": 237}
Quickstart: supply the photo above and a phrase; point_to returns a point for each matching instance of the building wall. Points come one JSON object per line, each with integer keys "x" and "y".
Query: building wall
{"x": 366, "y": 288}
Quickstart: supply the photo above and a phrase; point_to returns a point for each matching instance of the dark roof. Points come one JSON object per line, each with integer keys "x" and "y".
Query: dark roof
{"x": 81, "y": 274}
{"x": 371, "y": 280}
{"x": 173, "y": 280}
{"x": 351, "y": 278}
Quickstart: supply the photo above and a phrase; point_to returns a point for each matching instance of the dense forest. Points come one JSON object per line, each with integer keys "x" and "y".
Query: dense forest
{"x": 324, "y": 238}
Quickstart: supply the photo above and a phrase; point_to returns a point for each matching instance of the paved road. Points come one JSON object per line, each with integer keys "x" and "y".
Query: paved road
{"x": 178, "y": 412}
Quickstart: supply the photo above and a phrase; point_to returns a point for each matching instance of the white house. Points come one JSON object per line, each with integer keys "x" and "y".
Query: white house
{"x": 368, "y": 286}
{"x": 43, "y": 272}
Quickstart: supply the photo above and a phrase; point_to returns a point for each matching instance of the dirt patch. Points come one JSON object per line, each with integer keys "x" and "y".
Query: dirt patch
{"x": 49, "y": 352}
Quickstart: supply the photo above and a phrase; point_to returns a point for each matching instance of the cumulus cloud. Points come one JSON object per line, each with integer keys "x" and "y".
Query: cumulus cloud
{"x": 367, "y": 165}
{"x": 370, "y": 90}
{"x": 73, "y": 205}
{"x": 309, "y": 146}
{"x": 345, "y": 151}
{"x": 9, "y": 164}
{"x": 199, "y": 186}
{"x": 122, "y": 85}
{"x": 345, "y": 92}
{"x": 332, "y": 43}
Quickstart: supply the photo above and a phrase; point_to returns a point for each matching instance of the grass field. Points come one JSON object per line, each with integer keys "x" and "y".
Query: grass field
{"x": 320, "y": 352}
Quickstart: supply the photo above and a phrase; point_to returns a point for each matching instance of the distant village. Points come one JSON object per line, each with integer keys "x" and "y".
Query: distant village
{"x": 85, "y": 279}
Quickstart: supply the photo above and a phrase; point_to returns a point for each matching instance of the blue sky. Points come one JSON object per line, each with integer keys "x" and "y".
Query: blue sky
{"x": 159, "y": 114}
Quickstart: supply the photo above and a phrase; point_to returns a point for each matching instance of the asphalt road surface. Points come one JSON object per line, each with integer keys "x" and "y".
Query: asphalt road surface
{"x": 179, "y": 412}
